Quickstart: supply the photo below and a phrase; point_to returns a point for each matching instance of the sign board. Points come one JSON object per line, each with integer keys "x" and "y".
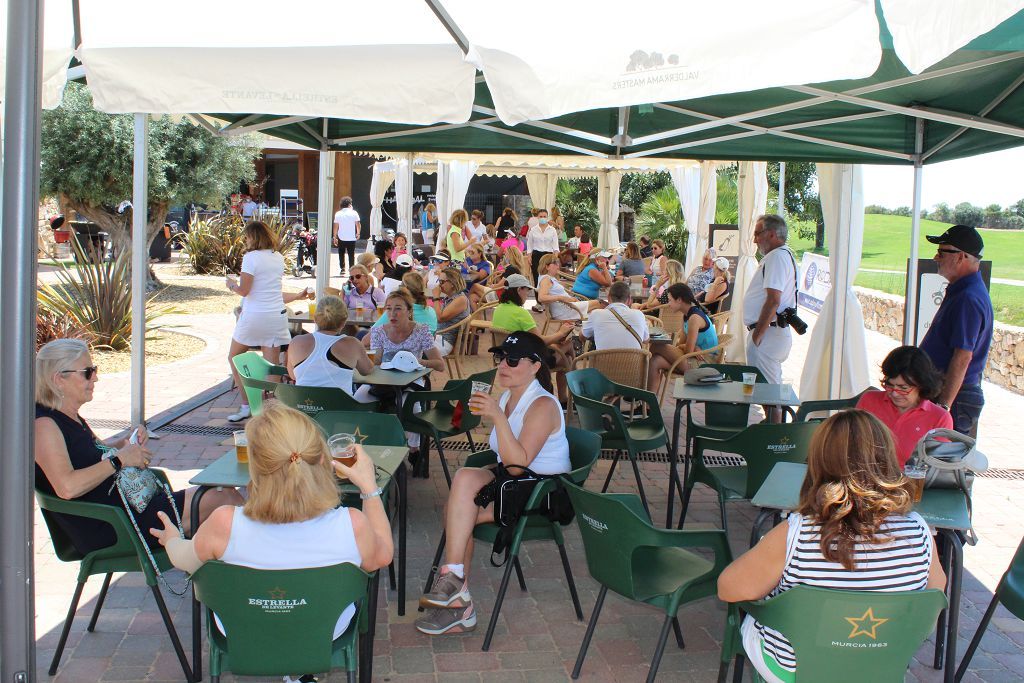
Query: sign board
{"x": 815, "y": 281}
{"x": 931, "y": 289}
{"x": 725, "y": 239}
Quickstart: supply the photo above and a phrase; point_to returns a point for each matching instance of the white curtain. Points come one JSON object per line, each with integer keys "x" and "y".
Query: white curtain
{"x": 452, "y": 184}
{"x": 549, "y": 197}
{"x": 608, "y": 209}
{"x": 752, "y": 193}
{"x": 839, "y": 370}
{"x": 537, "y": 186}
{"x": 686, "y": 180}
{"x": 403, "y": 196}
{"x": 706, "y": 212}
{"x": 325, "y": 208}
{"x": 383, "y": 176}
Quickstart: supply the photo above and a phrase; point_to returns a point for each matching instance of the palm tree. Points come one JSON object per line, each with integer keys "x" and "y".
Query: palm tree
{"x": 661, "y": 217}
{"x": 727, "y": 206}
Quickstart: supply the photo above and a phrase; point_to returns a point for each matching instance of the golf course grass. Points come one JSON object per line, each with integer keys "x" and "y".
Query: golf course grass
{"x": 887, "y": 246}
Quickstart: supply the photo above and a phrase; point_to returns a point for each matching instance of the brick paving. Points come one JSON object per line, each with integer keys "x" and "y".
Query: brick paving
{"x": 537, "y": 637}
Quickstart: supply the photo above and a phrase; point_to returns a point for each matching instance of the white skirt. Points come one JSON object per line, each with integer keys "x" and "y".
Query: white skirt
{"x": 262, "y": 329}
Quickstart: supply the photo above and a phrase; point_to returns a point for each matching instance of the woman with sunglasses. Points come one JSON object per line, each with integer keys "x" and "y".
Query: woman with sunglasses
{"x": 74, "y": 464}
{"x": 909, "y": 381}
{"x": 363, "y": 293}
{"x": 451, "y": 303}
{"x": 524, "y": 370}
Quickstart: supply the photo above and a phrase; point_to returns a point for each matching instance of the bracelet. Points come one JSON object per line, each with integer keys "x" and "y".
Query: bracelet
{"x": 372, "y": 494}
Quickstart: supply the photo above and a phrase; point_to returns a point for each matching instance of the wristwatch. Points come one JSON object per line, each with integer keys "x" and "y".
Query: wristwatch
{"x": 371, "y": 494}
{"x": 116, "y": 462}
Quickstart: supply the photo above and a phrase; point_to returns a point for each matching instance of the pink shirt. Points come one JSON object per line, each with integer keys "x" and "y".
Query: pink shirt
{"x": 910, "y": 427}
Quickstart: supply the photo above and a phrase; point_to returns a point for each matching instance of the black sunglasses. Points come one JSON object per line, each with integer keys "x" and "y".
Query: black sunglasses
{"x": 88, "y": 372}
{"x": 950, "y": 251}
{"x": 513, "y": 362}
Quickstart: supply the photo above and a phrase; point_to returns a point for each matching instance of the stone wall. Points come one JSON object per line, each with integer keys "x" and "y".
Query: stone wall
{"x": 884, "y": 313}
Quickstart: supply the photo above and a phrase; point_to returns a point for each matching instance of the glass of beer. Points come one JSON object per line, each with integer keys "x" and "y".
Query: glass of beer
{"x": 241, "y": 446}
{"x": 359, "y": 311}
{"x": 915, "y": 475}
{"x": 479, "y": 388}
{"x": 312, "y": 309}
{"x": 380, "y": 310}
{"x": 343, "y": 448}
{"x": 749, "y": 379}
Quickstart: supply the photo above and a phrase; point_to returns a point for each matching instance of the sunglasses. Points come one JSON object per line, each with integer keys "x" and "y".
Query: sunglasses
{"x": 949, "y": 251}
{"x": 512, "y": 362}
{"x": 357, "y": 277}
{"x": 902, "y": 389}
{"x": 88, "y": 372}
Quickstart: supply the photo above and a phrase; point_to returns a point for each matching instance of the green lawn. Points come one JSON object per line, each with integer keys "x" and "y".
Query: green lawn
{"x": 1007, "y": 300}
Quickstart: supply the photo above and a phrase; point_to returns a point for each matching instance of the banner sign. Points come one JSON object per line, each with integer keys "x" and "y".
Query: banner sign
{"x": 931, "y": 289}
{"x": 815, "y": 281}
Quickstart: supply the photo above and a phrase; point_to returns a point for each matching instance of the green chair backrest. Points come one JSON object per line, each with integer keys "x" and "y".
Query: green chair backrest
{"x": 278, "y": 622}
{"x": 851, "y": 635}
{"x": 314, "y": 400}
{"x": 1011, "y": 586}
{"x": 616, "y": 534}
{"x": 764, "y": 445}
{"x": 584, "y": 450}
{"x": 726, "y": 414}
{"x": 589, "y": 388}
{"x": 808, "y": 408}
{"x": 379, "y": 429}
{"x": 254, "y": 389}
{"x": 252, "y": 364}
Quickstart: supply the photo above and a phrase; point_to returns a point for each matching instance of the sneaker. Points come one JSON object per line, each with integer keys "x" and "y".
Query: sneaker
{"x": 538, "y": 308}
{"x": 449, "y": 592}
{"x": 304, "y": 678}
{"x": 438, "y": 621}
{"x": 242, "y": 414}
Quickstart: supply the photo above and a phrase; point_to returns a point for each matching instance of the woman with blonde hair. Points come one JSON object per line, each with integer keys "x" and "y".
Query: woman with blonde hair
{"x": 674, "y": 273}
{"x": 327, "y": 358}
{"x": 451, "y": 303}
{"x": 632, "y": 264}
{"x": 458, "y": 239}
{"x": 558, "y": 220}
{"x": 74, "y": 464}
{"x": 853, "y": 530}
{"x": 553, "y": 294}
{"x": 292, "y": 518}
{"x": 514, "y": 257}
{"x": 263, "y": 321}
{"x": 428, "y": 223}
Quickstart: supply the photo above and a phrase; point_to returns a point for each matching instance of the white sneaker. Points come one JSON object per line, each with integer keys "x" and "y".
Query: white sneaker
{"x": 242, "y": 414}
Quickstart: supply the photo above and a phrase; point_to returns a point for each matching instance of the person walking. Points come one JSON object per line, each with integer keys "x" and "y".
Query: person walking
{"x": 771, "y": 291}
{"x": 960, "y": 335}
{"x": 346, "y": 232}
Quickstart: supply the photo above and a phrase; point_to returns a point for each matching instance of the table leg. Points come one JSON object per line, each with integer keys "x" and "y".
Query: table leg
{"x": 197, "y": 612}
{"x": 956, "y": 571}
{"x": 401, "y": 475}
{"x": 366, "y": 645}
{"x": 763, "y": 516}
{"x": 673, "y": 459}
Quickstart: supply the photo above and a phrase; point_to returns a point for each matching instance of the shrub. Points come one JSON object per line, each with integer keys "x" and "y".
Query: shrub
{"x": 216, "y": 246}
{"x": 96, "y": 299}
{"x": 51, "y": 325}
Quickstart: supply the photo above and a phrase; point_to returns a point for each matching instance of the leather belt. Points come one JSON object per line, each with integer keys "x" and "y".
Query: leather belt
{"x": 754, "y": 325}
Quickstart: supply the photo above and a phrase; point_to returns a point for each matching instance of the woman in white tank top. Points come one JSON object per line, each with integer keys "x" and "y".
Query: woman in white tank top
{"x": 524, "y": 371}
{"x": 852, "y": 457}
{"x": 327, "y": 358}
{"x": 292, "y": 519}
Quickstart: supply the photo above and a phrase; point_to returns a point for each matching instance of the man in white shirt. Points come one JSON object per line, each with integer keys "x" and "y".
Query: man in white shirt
{"x": 771, "y": 291}
{"x": 608, "y": 326}
{"x": 249, "y": 208}
{"x": 346, "y": 232}
{"x": 477, "y": 229}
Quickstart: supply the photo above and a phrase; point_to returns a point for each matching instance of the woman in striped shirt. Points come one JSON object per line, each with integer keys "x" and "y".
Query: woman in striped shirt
{"x": 853, "y": 530}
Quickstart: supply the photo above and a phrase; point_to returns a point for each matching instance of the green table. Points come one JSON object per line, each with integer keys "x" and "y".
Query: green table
{"x": 390, "y": 378}
{"x": 945, "y": 510}
{"x": 227, "y": 471}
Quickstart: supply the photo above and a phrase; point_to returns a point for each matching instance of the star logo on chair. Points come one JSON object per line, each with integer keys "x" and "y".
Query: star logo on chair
{"x": 859, "y": 628}
{"x": 360, "y": 437}
{"x": 784, "y": 440}
{"x": 277, "y": 593}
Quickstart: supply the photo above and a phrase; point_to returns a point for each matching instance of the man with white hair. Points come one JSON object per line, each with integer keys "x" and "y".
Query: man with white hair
{"x": 771, "y": 291}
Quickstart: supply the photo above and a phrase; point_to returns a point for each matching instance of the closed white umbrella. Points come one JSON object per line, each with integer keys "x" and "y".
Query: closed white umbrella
{"x": 58, "y": 46}
{"x": 752, "y": 197}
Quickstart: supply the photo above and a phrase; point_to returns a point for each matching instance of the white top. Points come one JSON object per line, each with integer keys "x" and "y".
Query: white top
{"x": 542, "y": 238}
{"x": 608, "y": 333}
{"x": 319, "y": 542}
{"x": 390, "y": 284}
{"x": 249, "y": 208}
{"x": 267, "y": 268}
{"x": 479, "y": 232}
{"x": 346, "y": 220}
{"x": 559, "y": 309}
{"x": 774, "y": 272}
{"x": 317, "y": 370}
{"x": 656, "y": 267}
{"x": 553, "y": 457}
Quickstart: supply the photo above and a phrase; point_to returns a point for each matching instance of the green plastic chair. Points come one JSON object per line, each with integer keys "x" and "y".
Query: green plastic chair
{"x": 435, "y": 420}
{"x": 840, "y": 636}
{"x": 808, "y": 408}
{"x": 630, "y": 556}
{"x": 584, "y": 449}
{"x": 254, "y": 392}
{"x": 589, "y": 389}
{"x": 1010, "y": 592}
{"x": 281, "y": 622}
{"x": 126, "y": 555}
{"x": 761, "y": 445}
{"x": 254, "y": 370}
{"x": 315, "y": 400}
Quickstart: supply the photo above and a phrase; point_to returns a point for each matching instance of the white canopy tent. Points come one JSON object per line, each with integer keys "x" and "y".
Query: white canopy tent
{"x": 752, "y": 195}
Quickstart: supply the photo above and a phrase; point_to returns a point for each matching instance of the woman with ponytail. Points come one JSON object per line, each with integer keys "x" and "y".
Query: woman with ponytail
{"x": 698, "y": 333}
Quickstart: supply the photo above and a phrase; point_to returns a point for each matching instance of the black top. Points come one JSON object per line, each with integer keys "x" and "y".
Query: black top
{"x": 505, "y": 222}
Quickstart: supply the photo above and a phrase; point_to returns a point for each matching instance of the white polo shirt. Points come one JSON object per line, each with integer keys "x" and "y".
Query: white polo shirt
{"x": 608, "y": 333}
{"x": 542, "y": 238}
{"x": 774, "y": 272}
{"x": 346, "y": 220}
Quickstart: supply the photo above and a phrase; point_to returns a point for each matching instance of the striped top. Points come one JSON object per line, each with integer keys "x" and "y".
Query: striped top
{"x": 900, "y": 563}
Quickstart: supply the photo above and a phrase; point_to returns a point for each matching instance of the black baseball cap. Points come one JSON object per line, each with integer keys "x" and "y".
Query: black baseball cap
{"x": 523, "y": 345}
{"x": 963, "y": 237}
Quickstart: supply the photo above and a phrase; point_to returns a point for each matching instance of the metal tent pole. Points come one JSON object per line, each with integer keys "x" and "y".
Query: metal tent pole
{"x": 782, "y": 188}
{"x": 140, "y": 265}
{"x": 18, "y": 310}
{"x": 910, "y": 299}
{"x": 324, "y": 221}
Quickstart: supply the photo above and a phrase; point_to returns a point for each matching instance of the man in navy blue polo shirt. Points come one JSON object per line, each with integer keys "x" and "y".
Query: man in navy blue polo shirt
{"x": 961, "y": 332}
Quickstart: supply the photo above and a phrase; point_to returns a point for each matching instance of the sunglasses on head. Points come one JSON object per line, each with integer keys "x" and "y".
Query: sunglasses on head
{"x": 902, "y": 389}
{"x": 88, "y": 372}
{"x": 512, "y": 362}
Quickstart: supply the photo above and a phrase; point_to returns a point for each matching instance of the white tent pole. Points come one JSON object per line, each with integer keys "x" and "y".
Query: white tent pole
{"x": 140, "y": 265}
{"x": 324, "y": 221}
{"x": 910, "y": 300}
{"x": 841, "y": 280}
{"x": 18, "y": 310}
{"x": 782, "y": 189}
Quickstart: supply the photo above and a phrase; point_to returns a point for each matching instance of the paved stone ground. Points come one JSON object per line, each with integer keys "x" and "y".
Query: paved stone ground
{"x": 537, "y": 635}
